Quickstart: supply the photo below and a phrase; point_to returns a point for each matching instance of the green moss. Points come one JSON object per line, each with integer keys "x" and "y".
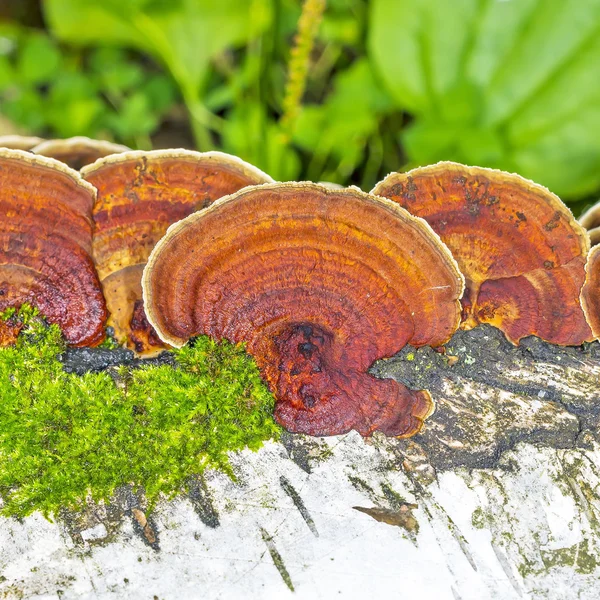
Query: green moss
{"x": 478, "y": 518}
{"x": 580, "y": 556}
{"x": 65, "y": 438}
{"x": 395, "y": 499}
{"x": 109, "y": 343}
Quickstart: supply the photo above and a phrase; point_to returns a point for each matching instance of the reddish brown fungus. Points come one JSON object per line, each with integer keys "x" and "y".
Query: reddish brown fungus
{"x": 319, "y": 283}
{"x": 590, "y": 295}
{"x": 77, "y": 151}
{"x": 139, "y": 195}
{"x": 45, "y": 246}
{"x": 519, "y": 247}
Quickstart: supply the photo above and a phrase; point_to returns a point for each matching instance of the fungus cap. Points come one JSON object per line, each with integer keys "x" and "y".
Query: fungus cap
{"x": 139, "y": 195}
{"x": 590, "y": 294}
{"x": 319, "y": 283}
{"x": 46, "y": 243}
{"x": 19, "y": 142}
{"x": 77, "y": 151}
{"x": 519, "y": 247}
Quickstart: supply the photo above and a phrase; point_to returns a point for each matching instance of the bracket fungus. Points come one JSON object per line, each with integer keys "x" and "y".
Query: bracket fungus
{"x": 519, "y": 247}
{"x": 77, "y": 151}
{"x": 590, "y": 295}
{"x": 46, "y": 245}
{"x": 19, "y": 142}
{"x": 139, "y": 195}
{"x": 319, "y": 283}
{"x": 590, "y": 220}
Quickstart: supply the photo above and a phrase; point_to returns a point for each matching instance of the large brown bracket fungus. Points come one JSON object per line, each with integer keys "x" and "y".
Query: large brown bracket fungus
{"x": 319, "y": 283}
{"x": 590, "y": 295}
{"x": 46, "y": 246}
{"x": 520, "y": 249}
{"x": 77, "y": 151}
{"x": 139, "y": 195}
{"x": 590, "y": 219}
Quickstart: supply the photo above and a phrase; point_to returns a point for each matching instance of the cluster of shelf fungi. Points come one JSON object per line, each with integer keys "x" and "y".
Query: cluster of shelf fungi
{"x": 318, "y": 281}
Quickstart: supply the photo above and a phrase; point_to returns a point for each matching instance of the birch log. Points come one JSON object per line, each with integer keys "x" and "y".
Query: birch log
{"x": 497, "y": 497}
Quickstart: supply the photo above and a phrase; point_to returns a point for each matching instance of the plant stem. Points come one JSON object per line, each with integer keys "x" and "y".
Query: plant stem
{"x": 202, "y": 119}
{"x": 308, "y": 25}
{"x": 199, "y": 118}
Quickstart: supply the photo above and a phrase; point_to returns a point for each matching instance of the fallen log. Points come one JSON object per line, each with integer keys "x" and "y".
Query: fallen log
{"x": 497, "y": 497}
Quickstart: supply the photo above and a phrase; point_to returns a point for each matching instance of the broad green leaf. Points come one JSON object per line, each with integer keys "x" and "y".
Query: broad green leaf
{"x": 184, "y": 34}
{"x": 135, "y": 117}
{"x": 114, "y": 71}
{"x": 72, "y": 106}
{"x": 160, "y": 91}
{"x": 508, "y": 84}
{"x": 38, "y": 60}
{"x": 405, "y": 38}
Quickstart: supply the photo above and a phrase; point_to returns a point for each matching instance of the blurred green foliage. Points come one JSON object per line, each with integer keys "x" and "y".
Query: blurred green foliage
{"x": 51, "y": 90}
{"x": 514, "y": 85}
{"x": 391, "y": 84}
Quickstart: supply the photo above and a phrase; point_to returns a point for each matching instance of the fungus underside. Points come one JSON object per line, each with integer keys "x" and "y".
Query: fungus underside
{"x": 66, "y": 439}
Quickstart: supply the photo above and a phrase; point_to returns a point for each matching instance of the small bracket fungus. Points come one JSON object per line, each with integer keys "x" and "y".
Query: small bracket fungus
{"x": 520, "y": 249}
{"x": 139, "y": 195}
{"x": 319, "y": 283}
{"x": 590, "y": 295}
{"x": 19, "y": 142}
{"x": 590, "y": 220}
{"x": 46, "y": 245}
{"x": 77, "y": 151}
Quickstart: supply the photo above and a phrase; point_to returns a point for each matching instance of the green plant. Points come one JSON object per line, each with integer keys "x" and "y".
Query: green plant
{"x": 513, "y": 85}
{"x": 377, "y": 86}
{"x": 65, "y": 438}
{"x": 236, "y": 100}
{"x": 63, "y": 92}
{"x": 308, "y": 25}
{"x": 183, "y": 34}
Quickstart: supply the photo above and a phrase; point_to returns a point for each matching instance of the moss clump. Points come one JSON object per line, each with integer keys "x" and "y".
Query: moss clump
{"x": 65, "y": 438}
{"x": 478, "y": 518}
{"x": 580, "y": 556}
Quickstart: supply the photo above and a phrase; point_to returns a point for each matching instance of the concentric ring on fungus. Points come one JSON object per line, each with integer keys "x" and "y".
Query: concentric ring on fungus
{"x": 590, "y": 295}
{"x": 46, "y": 244}
{"x": 139, "y": 195}
{"x": 76, "y": 152}
{"x": 519, "y": 247}
{"x": 319, "y": 283}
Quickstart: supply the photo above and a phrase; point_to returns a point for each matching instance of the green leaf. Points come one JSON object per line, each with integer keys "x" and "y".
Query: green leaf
{"x": 38, "y": 60}
{"x": 134, "y": 118}
{"x": 512, "y": 85}
{"x": 160, "y": 91}
{"x": 114, "y": 71}
{"x": 249, "y": 134}
{"x": 185, "y": 35}
{"x": 26, "y": 108}
{"x": 341, "y": 125}
{"x": 73, "y": 106}
{"x": 7, "y": 76}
